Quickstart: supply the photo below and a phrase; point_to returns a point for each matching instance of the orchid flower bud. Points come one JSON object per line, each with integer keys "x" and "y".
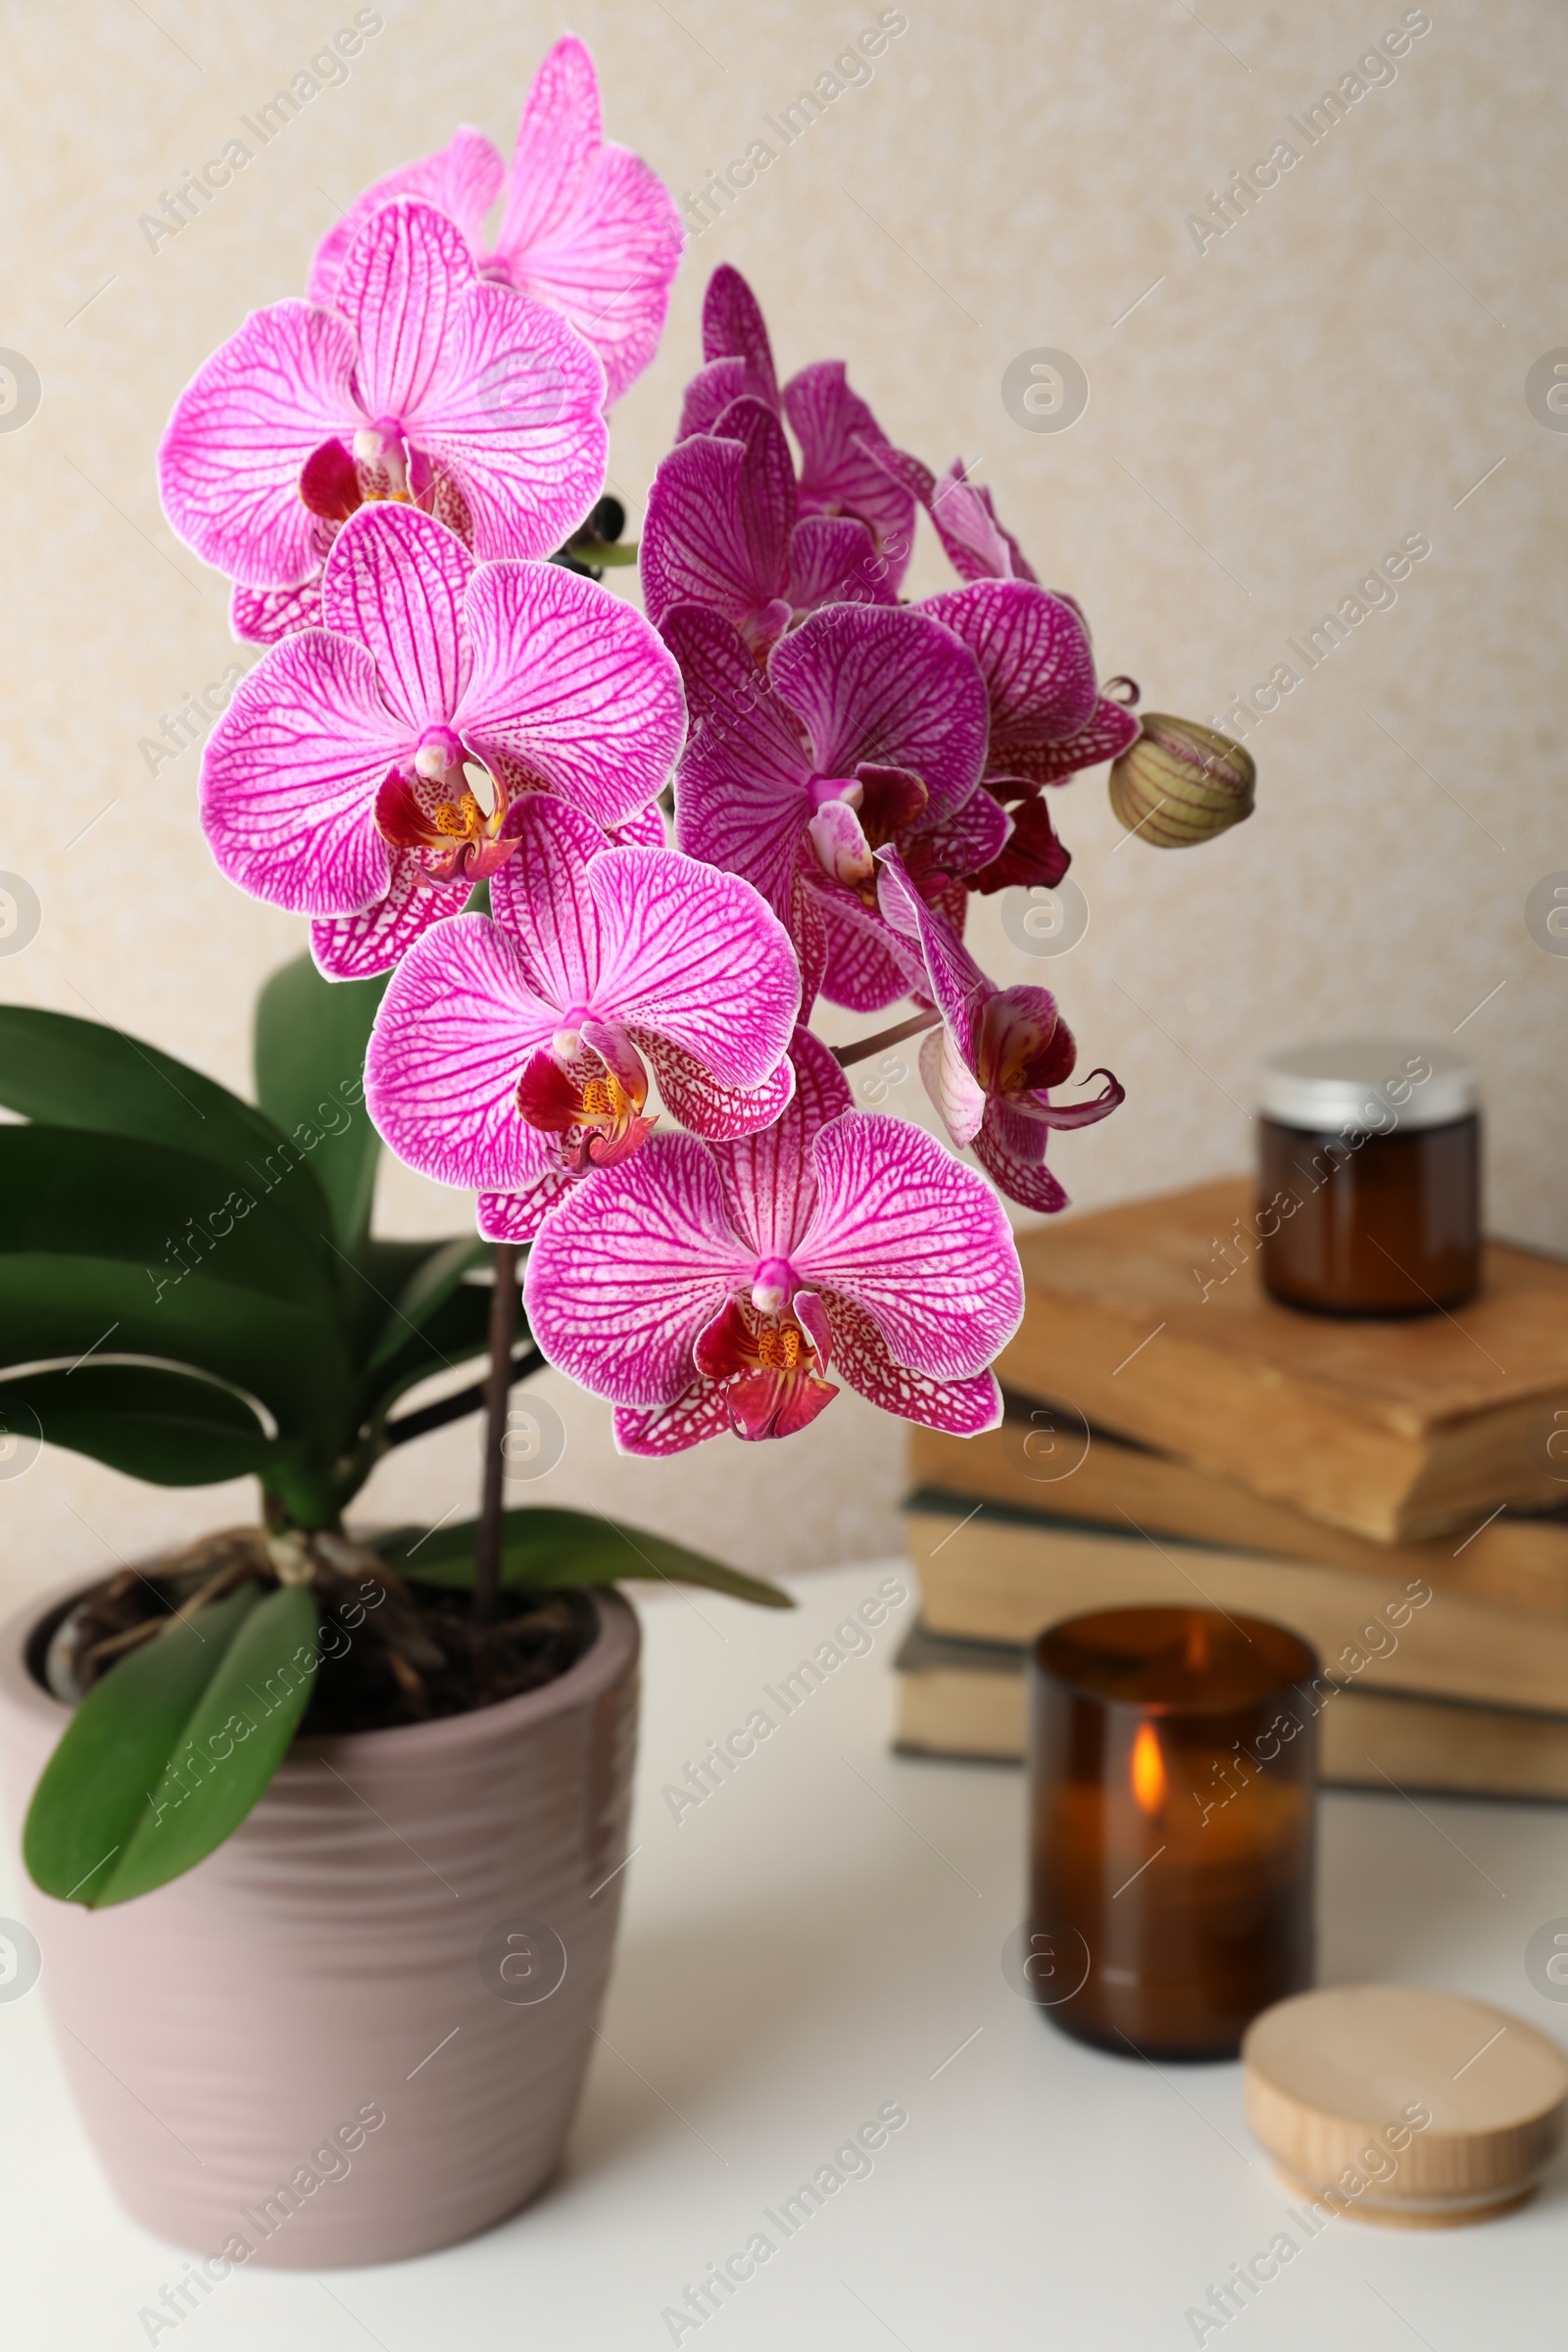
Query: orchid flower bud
{"x": 1181, "y": 783}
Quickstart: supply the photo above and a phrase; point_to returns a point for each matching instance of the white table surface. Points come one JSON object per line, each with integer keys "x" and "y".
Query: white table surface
{"x": 820, "y": 1938}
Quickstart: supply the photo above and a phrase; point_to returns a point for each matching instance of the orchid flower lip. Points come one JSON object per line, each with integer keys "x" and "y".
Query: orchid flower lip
{"x": 848, "y": 789}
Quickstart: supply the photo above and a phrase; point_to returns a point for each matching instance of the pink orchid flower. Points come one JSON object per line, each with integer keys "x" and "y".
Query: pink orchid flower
{"x": 586, "y": 227}
{"x": 340, "y": 781}
{"x": 725, "y": 530}
{"x": 837, "y": 433}
{"x": 510, "y": 1051}
{"x": 989, "y": 1067}
{"x": 705, "y": 1286}
{"x": 963, "y": 516}
{"x": 423, "y": 384}
{"x": 868, "y": 726}
{"x": 1048, "y": 717}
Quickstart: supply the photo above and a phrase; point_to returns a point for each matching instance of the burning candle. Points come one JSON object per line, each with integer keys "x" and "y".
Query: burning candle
{"x": 1173, "y": 1761}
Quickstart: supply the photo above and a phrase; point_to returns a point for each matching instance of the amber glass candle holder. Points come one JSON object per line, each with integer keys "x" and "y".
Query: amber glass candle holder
{"x": 1174, "y": 1765}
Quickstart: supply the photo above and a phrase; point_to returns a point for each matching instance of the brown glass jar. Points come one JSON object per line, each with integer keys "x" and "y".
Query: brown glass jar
{"x": 1369, "y": 1178}
{"x": 1172, "y": 1799}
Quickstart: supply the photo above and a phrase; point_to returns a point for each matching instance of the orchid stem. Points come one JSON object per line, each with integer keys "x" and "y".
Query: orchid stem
{"x": 497, "y": 1392}
{"x": 865, "y": 1047}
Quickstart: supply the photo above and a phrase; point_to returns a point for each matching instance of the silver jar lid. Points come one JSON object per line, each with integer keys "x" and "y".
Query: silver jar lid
{"x": 1380, "y": 1083}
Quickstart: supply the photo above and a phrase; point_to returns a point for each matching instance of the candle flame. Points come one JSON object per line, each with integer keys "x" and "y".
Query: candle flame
{"x": 1148, "y": 1770}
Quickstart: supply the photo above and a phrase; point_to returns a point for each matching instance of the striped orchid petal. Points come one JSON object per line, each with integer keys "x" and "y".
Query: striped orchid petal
{"x": 733, "y": 327}
{"x": 1109, "y": 728}
{"x": 694, "y": 1097}
{"x": 694, "y": 955}
{"x": 866, "y": 967}
{"x": 631, "y": 1268}
{"x": 516, "y": 1044}
{"x": 992, "y": 1066}
{"x": 264, "y": 616}
{"x": 709, "y": 394}
{"x": 705, "y": 1285}
{"x": 700, "y": 1412}
{"x": 839, "y": 474}
{"x": 453, "y": 1033}
{"x": 1012, "y": 1152}
{"x": 868, "y": 726}
{"x": 572, "y": 683}
{"x": 721, "y": 514}
{"x": 587, "y": 228}
{"x": 463, "y": 181}
{"x": 395, "y": 585}
{"x": 840, "y": 478}
{"x": 541, "y": 899}
{"x": 423, "y": 382}
{"x": 743, "y": 795}
{"x": 290, "y": 775}
{"x": 916, "y": 1240}
{"x": 231, "y": 462}
{"x": 965, "y": 1408}
{"x": 769, "y": 1184}
{"x": 725, "y": 529}
{"x": 1035, "y": 658}
{"x": 957, "y": 987}
{"x": 963, "y": 516}
{"x": 357, "y": 946}
{"x": 887, "y": 687}
{"x": 952, "y": 1085}
{"x": 518, "y": 1218}
{"x": 351, "y": 754}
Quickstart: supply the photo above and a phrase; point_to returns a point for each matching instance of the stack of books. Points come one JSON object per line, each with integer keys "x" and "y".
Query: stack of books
{"x": 1396, "y": 1493}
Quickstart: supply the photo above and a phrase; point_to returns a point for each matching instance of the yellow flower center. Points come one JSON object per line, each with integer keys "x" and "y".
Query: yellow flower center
{"x": 462, "y": 818}
{"x": 778, "y": 1349}
{"x": 606, "y": 1098}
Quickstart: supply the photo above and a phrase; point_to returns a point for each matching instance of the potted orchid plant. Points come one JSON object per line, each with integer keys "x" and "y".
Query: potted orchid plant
{"x": 299, "y": 1747}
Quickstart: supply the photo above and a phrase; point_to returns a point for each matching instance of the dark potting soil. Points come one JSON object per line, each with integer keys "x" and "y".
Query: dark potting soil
{"x": 391, "y": 1651}
{"x": 374, "y": 1682}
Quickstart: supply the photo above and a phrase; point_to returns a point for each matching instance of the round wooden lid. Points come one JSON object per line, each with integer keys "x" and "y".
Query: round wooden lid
{"x": 1400, "y": 2103}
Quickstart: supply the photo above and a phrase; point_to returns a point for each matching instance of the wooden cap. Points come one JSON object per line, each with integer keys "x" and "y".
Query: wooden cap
{"x": 1400, "y": 2103}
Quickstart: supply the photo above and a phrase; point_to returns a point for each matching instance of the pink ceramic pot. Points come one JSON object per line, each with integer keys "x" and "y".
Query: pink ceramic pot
{"x": 232, "y": 2039}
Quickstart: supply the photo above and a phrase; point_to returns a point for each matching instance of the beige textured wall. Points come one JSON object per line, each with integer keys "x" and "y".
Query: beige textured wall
{"x": 1336, "y": 371}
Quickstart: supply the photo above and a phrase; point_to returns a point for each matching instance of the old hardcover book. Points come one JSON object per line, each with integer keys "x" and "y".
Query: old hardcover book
{"x": 968, "y": 1700}
{"x": 1151, "y": 1320}
{"x": 990, "y": 1575}
{"x": 1044, "y": 1460}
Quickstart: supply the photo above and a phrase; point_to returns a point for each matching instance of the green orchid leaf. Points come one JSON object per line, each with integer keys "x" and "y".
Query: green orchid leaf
{"x": 150, "y": 1422}
{"x": 455, "y": 1332}
{"x": 387, "y": 1266}
{"x": 372, "y": 1285}
{"x": 161, "y": 1210}
{"x": 310, "y": 1041}
{"x": 55, "y": 1309}
{"x": 427, "y": 1289}
{"x": 548, "y": 1549}
{"x": 168, "y": 1753}
{"x": 402, "y": 1431}
{"x": 67, "y": 1072}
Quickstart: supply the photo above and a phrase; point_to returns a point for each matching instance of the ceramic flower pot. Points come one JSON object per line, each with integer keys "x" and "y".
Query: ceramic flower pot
{"x": 359, "y": 2030}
